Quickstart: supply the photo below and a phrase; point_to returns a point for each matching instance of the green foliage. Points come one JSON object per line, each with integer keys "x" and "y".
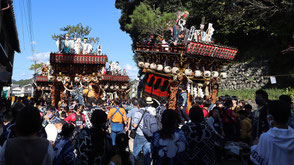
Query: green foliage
{"x": 290, "y": 92}
{"x": 23, "y": 82}
{"x": 36, "y": 66}
{"x": 146, "y": 20}
{"x": 249, "y": 94}
{"x": 78, "y": 31}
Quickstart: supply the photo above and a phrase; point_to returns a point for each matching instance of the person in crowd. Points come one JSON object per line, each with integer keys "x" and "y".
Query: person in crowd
{"x": 235, "y": 107}
{"x": 169, "y": 144}
{"x": 246, "y": 126}
{"x": 229, "y": 121}
{"x": 121, "y": 156}
{"x": 52, "y": 130}
{"x": 15, "y": 150}
{"x": 215, "y": 122}
{"x": 149, "y": 107}
{"x": 9, "y": 129}
{"x": 77, "y": 118}
{"x": 182, "y": 104}
{"x": 131, "y": 113}
{"x": 200, "y": 139}
{"x": 248, "y": 109}
{"x": 287, "y": 99}
{"x": 64, "y": 151}
{"x": 89, "y": 93}
{"x": 95, "y": 144}
{"x": 50, "y": 116}
{"x": 219, "y": 104}
{"x": 62, "y": 115}
{"x": 242, "y": 104}
{"x": 259, "y": 121}
{"x": 140, "y": 142}
{"x": 7, "y": 118}
{"x": 159, "y": 111}
{"x": 117, "y": 117}
{"x": 276, "y": 146}
{"x": 205, "y": 110}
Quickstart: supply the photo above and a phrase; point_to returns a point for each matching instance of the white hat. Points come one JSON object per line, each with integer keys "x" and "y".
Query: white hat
{"x": 149, "y": 100}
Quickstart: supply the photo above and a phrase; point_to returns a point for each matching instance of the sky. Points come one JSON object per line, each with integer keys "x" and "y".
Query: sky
{"x": 48, "y": 16}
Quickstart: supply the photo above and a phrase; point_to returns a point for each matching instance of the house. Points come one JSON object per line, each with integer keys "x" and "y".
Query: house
{"x": 9, "y": 43}
{"x": 16, "y": 90}
{"x": 28, "y": 90}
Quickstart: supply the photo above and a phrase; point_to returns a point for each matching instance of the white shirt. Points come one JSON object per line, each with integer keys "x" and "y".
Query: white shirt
{"x": 275, "y": 147}
{"x": 51, "y": 132}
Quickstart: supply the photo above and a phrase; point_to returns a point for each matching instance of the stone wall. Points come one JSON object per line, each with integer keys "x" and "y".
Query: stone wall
{"x": 245, "y": 75}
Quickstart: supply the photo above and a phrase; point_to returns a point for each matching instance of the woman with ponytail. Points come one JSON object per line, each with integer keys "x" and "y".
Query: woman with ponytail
{"x": 95, "y": 144}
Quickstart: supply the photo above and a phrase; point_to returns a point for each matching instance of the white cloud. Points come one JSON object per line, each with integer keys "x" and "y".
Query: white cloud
{"x": 33, "y": 42}
{"x": 40, "y": 57}
{"x": 26, "y": 75}
{"x": 128, "y": 67}
{"x": 132, "y": 71}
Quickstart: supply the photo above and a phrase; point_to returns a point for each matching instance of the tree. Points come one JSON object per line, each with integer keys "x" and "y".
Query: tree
{"x": 146, "y": 20}
{"x": 76, "y": 31}
{"x": 36, "y": 66}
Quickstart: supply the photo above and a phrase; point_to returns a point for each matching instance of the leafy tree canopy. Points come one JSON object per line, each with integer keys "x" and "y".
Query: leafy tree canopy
{"x": 147, "y": 20}
{"x": 36, "y": 66}
{"x": 76, "y": 31}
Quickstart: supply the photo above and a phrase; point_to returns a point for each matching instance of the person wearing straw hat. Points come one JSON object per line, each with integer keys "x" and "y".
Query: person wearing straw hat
{"x": 149, "y": 108}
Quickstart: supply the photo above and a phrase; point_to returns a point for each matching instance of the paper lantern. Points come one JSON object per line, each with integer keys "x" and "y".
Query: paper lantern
{"x": 175, "y": 70}
{"x": 141, "y": 64}
{"x": 167, "y": 69}
{"x": 188, "y": 72}
{"x": 159, "y": 67}
{"x": 146, "y": 65}
{"x": 153, "y": 66}
{"x": 207, "y": 74}
{"x": 215, "y": 74}
{"x": 198, "y": 73}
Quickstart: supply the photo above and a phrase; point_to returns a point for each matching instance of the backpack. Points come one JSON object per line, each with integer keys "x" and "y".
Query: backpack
{"x": 149, "y": 125}
{"x": 159, "y": 112}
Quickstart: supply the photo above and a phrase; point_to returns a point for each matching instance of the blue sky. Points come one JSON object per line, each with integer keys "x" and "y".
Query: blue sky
{"x": 48, "y": 16}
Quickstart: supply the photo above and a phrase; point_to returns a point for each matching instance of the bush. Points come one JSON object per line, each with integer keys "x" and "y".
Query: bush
{"x": 249, "y": 94}
{"x": 290, "y": 92}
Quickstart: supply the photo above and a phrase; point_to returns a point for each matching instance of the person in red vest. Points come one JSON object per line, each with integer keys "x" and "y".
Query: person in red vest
{"x": 76, "y": 118}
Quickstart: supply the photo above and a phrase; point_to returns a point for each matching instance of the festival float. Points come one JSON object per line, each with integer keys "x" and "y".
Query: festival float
{"x": 75, "y": 67}
{"x": 190, "y": 58}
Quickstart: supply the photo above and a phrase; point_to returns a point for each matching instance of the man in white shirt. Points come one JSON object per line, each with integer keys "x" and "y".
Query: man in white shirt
{"x": 276, "y": 146}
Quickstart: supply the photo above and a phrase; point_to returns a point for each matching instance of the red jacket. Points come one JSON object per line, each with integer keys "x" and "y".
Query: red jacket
{"x": 72, "y": 118}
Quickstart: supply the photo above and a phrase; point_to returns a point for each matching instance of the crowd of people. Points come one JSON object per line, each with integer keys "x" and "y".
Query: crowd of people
{"x": 99, "y": 133}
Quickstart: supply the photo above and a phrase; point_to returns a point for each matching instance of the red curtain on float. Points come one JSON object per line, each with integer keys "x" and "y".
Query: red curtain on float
{"x": 157, "y": 85}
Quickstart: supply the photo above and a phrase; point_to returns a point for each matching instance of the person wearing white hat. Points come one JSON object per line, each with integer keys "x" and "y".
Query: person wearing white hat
{"x": 149, "y": 108}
